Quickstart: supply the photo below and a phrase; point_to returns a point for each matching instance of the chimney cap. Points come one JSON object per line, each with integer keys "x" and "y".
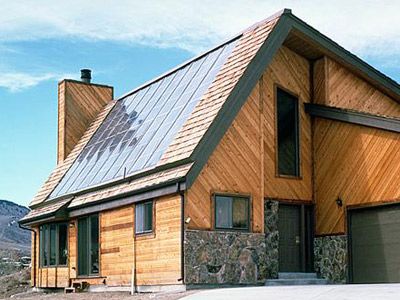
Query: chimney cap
{"x": 86, "y": 75}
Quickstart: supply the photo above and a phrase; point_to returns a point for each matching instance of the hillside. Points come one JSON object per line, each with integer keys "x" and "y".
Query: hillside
{"x": 11, "y": 236}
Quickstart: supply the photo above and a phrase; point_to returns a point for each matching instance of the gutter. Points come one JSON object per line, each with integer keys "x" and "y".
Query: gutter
{"x": 181, "y": 191}
{"x": 33, "y": 255}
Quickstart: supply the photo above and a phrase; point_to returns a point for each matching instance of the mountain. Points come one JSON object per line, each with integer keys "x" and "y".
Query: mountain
{"x": 11, "y": 236}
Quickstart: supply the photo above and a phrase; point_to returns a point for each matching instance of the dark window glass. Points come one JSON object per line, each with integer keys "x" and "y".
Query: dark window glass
{"x": 144, "y": 217}
{"x": 288, "y": 134}
{"x": 83, "y": 247}
{"x": 94, "y": 244}
{"x": 231, "y": 212}
{"x": 62, "y": 244}
{"x": 88, "y": 245}
{"x": 53, "y": 245}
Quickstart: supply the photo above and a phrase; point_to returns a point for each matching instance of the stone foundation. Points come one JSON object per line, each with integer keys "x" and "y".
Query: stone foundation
{"x": 221, "y": 257}
{"x": 271, "y": 238}
{"x": 330, "y": 258}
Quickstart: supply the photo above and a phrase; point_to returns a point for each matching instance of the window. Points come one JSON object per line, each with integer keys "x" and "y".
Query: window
{"x": 88, "y": 245}
{"x": 288, "y": 134}
{"x": 231, "y": 212}
{"x": 53, "y": 244}
{"x": 144, "y": 217}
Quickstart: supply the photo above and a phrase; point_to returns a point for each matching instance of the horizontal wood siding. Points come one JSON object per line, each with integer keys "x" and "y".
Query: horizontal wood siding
{"x": 116, "y": 245}
{"x": 244, "y": 160}
{"x": 358, "y": 164}
{"x": 158, "y": 255}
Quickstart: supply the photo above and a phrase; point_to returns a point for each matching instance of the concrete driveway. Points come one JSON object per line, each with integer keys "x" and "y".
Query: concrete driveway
{"x": 309, "y": 292}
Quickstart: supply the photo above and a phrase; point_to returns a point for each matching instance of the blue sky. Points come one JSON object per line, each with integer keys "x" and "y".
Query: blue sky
{"x": 44, "y": 41}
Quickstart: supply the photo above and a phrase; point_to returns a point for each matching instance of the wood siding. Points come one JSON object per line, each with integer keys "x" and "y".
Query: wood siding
{"x": 157, "y": 255}
{"x": 78, "y": 105}
{"x": 244, "y": 161}
{"x": 336, "y": 86}
{"x": 356, "y": 163}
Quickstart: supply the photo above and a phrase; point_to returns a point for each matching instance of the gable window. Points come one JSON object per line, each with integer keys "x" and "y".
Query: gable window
{"x": 232, "y": 212}
{"x": 88, "y": 245}
{"x": 287, "y": 134}
{"x": 53, "y": 244}
{"x": 144, "y": 217}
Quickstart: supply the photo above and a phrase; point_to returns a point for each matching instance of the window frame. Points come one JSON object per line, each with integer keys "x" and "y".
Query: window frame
{"x": 145, "y": 232}
{"x": 88, "y": 245}
{"x": 298, "y": 176}
{"x": 232, "y": 195}
{"x": 44, "y": 234}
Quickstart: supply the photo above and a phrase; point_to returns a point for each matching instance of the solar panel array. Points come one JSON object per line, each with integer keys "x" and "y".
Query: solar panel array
{"x": 140, "y": 127}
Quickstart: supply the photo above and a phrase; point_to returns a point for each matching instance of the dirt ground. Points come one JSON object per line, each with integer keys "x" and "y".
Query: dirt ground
{"x": 101, "y": 296}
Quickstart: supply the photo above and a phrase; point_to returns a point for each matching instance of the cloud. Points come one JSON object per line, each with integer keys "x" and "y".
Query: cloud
{"x": 364, "y": 26}
{"x": 16, "y": 82}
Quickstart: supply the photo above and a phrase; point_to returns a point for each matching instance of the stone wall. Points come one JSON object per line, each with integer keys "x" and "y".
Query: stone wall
{"x": 271, "y": 238}
{"x": 330, "y": 257}
{"x": 213, "y": 257}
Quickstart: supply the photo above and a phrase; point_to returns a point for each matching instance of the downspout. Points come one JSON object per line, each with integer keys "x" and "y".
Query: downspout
{"x": 34, "y": 252}
{"x": 182, "y": 194}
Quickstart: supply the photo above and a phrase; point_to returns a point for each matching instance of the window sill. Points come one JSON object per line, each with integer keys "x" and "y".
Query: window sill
{"x": 53, "y": 267}
{"x": 292, "y": 177}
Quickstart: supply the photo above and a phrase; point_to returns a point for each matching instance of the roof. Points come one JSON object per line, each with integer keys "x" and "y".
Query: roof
{"x": 168, "y": 128}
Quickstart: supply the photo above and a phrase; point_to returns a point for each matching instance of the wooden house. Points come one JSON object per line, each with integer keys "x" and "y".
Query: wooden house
{"x": 274, "y": 152}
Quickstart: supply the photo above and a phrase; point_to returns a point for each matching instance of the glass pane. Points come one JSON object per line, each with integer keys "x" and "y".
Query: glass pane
{"x": 53, "y": 251}
{"x": 223, "y": 212}
{"x": 139, "y": 216}
{"x": 94, "y": 245}
{"x": 240, "y": 213}
{"x": 42, "y": 237}
{"x": 83, "y": 254}
{"x": 45, "y": 245}
{"x": 148, "y": 218}
{"x": 287, "y": 108}
{"x": 62, "y": 244}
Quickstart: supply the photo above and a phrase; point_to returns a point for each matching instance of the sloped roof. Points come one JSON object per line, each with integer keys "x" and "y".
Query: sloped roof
{"x": 212, "y": 89}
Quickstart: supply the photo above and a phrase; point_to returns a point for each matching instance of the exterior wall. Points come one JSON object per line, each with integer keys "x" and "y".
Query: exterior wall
{"x": 244, "y": 161}
{"x": 157, "y": 256}
{"x": 336, "y": 86}
{"x": 213, "y": 257}
{"x": 271, "y": 220}
{"x": 356, "y": 163}
{"x": 330, "y": 257}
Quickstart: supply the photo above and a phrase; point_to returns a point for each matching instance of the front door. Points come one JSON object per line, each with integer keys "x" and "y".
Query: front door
{"x": 88, "y": 246}
{"x": 289, "y": 238}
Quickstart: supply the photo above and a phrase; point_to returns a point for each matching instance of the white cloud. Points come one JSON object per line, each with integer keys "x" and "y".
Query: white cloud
{"x": 15, "y": 81}
{"x": 366, "y": 27}
{"x": 363, "y": 26}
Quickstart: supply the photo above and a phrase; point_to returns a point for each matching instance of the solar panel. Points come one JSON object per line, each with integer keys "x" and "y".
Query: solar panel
{"x": 142, "y": 125}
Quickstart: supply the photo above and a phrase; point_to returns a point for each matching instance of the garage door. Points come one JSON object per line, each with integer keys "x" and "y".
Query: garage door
{"x": 375, "y": 244}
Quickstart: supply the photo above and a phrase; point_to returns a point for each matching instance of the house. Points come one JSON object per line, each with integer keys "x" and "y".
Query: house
{"x": 274, "y": 152}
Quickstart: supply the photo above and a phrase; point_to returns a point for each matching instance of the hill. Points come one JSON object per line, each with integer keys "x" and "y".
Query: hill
{"x": 11, "y": 236}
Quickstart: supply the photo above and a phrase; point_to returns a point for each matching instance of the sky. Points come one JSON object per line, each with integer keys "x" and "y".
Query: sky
{"x": 126, "y": 43}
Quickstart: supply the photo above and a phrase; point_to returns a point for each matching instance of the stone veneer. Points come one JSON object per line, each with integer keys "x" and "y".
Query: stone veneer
{"x": 224, "y": 257}
{"x": 330, "y": 257}
{"x": 271, "y": 238}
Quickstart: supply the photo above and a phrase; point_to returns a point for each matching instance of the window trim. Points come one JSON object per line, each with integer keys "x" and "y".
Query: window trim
{"x": 146, "y": 232}
{"x": 91, "y": 275}
{"x": 299, "y": 175}
{"x": 249, "y": 211}
{"x": 45, "y": 228}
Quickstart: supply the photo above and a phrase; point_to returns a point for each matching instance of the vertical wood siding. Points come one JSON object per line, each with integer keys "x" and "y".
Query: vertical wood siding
{"x": 244, "y": 161}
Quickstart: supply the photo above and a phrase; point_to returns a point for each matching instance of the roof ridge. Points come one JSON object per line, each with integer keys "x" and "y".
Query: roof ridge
{"x": 202, "y": 54}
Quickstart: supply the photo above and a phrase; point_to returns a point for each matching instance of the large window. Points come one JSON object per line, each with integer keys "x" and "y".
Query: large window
{"x": 88, "y": 245}
{"x": 144, "y": 217}
{"x": 231, "y": 212}
{"x": 288, "y": 134}
{"x": 53, "y": 244}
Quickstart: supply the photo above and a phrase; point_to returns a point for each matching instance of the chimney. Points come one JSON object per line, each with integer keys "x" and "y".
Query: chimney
{"x": 79, "y": 102}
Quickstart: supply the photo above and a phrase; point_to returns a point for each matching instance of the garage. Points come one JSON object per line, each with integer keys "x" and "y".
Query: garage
{"x": 374, "y": 244}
